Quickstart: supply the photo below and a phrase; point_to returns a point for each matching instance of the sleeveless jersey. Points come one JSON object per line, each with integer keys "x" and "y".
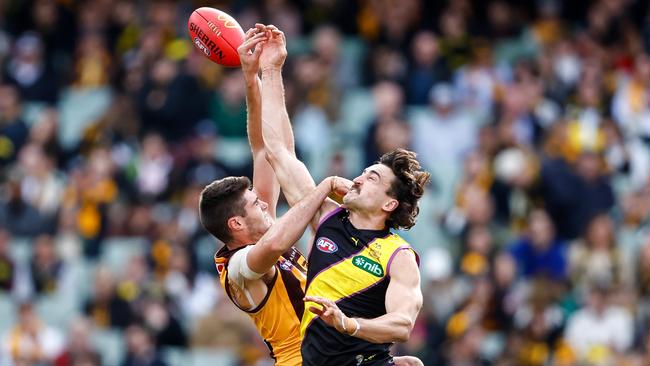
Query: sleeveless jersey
{"x": 352, "y": 268}
{"x": 278, "y": 315}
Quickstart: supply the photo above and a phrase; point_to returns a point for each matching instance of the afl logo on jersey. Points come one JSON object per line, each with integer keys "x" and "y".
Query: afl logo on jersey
{"x": 326, "y": 246}
{"x": 286, "y": 265}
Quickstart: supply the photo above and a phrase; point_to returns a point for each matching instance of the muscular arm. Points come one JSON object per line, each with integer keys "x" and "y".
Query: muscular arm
{"x": 403, "y": 302}
{"x": 294, "y": 178}
{"x": 288, "y": 229}
{"x": 264, "y": 182}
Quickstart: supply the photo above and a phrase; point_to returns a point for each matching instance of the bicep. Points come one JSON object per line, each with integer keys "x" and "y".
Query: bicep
{"x": 404, "y": 294}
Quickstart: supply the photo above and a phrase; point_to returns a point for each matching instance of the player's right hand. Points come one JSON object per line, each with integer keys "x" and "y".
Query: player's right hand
{"x": 340, "y": 186}
{"x": 250, "y": 51}
{"x": 275, "y": 49}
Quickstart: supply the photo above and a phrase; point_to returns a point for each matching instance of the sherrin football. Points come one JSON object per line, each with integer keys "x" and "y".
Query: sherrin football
{"x": 217, "y": 35}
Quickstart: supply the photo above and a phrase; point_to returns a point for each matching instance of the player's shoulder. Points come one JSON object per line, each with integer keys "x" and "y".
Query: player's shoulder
{"x": 396, "y": 240}
{"x": 332, "y": 217}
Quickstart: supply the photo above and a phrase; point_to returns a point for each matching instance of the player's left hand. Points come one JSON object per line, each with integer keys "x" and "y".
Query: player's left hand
{"x": 250, "y": 51}
{"x": 330, "y": 313}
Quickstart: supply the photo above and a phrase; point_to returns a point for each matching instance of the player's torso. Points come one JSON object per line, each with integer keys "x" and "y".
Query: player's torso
{"x": 351, "y": 267}
{"x": 277, "y": 317}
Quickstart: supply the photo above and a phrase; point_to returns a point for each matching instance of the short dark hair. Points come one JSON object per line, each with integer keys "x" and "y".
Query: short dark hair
{"x": 221, "y": 200}
{"x": 407, "y": 188}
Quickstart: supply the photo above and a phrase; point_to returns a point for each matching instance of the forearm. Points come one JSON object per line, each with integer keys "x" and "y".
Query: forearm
{"x": 273, "y": 110}
{"x": 293, "y": 176}
{"x": 288, "y": 229}
{"x": 389, "y": 328}
{"x": 254, "y": 113}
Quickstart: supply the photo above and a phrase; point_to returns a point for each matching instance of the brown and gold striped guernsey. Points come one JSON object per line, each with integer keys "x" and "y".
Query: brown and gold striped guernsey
{"x": 352, "y": 268}
{"x": 278, "y": 315}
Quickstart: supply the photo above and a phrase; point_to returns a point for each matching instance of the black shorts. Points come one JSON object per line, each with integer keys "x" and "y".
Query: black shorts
{"x": 377, "y": 359}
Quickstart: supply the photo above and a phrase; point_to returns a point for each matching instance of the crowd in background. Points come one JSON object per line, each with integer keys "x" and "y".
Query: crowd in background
{"x": 532, "y": 116}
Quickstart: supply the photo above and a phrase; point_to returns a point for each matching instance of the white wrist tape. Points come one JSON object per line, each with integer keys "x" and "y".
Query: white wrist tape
{"x": 357, "y": 325}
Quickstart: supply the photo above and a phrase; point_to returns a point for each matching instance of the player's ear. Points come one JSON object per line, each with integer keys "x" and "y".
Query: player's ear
{"x": 390, "y": 205}
{"x": 235, "y": 223}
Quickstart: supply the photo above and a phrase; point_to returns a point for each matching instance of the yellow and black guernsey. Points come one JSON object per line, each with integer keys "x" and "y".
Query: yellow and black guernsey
{"x": 278, "y": 315}
{"x": 352, "y": 268}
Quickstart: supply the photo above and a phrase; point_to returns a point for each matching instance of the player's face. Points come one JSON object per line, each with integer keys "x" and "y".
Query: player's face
{"x": 369, "y": 192}
{"x": 257, "y": 219}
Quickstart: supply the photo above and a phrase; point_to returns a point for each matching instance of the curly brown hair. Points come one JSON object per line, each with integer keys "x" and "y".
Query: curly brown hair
{"x": 407, "y": 188}
{"x": 221, "y": 200}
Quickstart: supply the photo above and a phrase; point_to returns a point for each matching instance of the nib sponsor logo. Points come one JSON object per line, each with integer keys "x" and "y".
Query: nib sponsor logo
{"x": 368, "y": 265}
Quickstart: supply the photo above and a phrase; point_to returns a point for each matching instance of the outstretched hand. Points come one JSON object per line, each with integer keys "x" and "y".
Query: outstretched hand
{"x": 250, "y": 51}
{"x": 330, "y": 313}
{"x": 275, "y": 49}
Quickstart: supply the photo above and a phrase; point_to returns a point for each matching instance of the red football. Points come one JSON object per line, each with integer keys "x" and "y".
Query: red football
{"x": 217, "y": 35}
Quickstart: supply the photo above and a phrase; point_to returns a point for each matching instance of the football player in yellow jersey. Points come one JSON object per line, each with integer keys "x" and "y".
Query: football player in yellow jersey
{"x": 363, "y": 283}
{"x": 258, "y": 267}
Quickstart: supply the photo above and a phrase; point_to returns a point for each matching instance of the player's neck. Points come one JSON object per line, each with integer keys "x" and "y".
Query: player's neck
{"x": 363, "y": 221}
{"x": 240, "y": 241}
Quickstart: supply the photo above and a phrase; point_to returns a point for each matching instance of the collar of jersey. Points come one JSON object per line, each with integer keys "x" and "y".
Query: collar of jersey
{"x": 365, "y": 236}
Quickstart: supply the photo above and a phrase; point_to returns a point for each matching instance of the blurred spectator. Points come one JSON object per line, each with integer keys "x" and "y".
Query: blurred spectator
{"x": 31, "y": 341}
{"x": 16, "y": 214}
{"x": 630, "y": 104}
{"x": 195, "y": 293}
{"x": 228, "y": 106}
{"x": 89, "y": 191}
{"x": 141, "y": 349}
{"x": 79, "y": 349}
{"x": 597, "y": 257}
{"x": 426, "y": 69}
{"x": 475, "y": 261}
{"x": 476, "y": 83}
{"x": 388, "y": 130}
{"x": 48, "y": 271}
{"x": 515, "y": 186}
{"x": 600, "y": 331}
{"x": 444, "y": 135}
{"x": 134, "y": 280}
{"x": 43, "y": 134}
{"x": 42, "y": 185}
{"x": 13, "y": 130}
{"x": 327, "y": 44}
{"x": 29, "y": 71}
{"x": 541, "y": 325}
{"x": 455, "y": 41}
{"x": 171, "y": 102}
{"x": 152, "y": 168}
{"x": 7, "y": 266}
{"x": 573, "y": 196}
{"x": 539, "y": 252}
{"x": 165, "y": 327}
{"x": 105, "y": 308}
{"x": 203, "y": 166}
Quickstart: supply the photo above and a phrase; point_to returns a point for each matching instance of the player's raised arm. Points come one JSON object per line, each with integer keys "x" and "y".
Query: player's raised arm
{"x": 264, "y": 181}
{"x": 294, "y": 178}
{"x": 403, "y": 302}
{"x": 288, "y": 229}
